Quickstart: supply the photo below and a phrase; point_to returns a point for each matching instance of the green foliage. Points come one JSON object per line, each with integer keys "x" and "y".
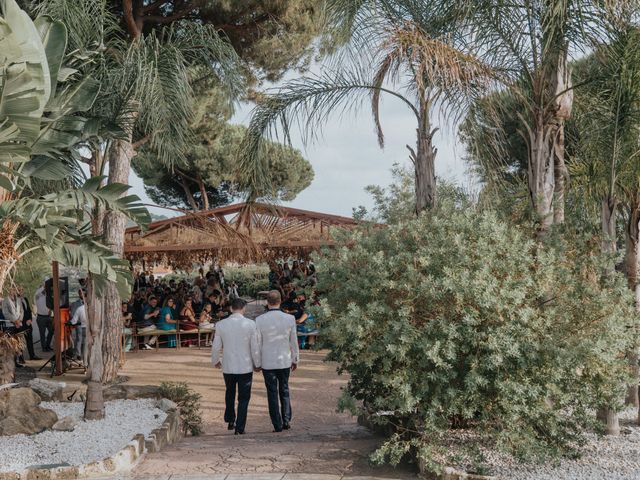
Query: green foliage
{"x": 211, "y": 163}
{"x": 250, "y": 279}
{"x": 188, "y": 403}
{"x": 457, "y": 319}
{"x": 44, "y": 93}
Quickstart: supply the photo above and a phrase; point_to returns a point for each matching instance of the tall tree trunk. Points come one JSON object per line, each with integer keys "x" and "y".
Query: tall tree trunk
{"x": 541, "y": 171}
{"x": 94, "y": 405}
{"x": 561, "y": 97}
{"x": 120, "y": 154}
{"x": 632, "y": 237}
{"x": 424, "y": 158}
{"x": 608, "y": 221}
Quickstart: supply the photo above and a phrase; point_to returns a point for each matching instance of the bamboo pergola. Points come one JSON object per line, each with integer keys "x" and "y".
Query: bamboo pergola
{"x": 243, "y": 233}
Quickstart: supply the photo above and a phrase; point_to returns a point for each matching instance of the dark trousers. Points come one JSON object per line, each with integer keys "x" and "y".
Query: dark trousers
{"x": 45, "y": 327}
{"x": 277, "y": 383}
{"x": 241, "y": 382}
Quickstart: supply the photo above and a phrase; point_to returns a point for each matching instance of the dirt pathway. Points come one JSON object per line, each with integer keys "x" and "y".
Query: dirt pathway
{"x": 321, "y": 441}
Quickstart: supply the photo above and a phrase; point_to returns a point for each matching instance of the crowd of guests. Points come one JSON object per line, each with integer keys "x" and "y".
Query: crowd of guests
{"x": 158, "y": 304}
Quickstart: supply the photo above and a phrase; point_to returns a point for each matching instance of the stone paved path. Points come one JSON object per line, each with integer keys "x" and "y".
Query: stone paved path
{"x": 321, "y": 441}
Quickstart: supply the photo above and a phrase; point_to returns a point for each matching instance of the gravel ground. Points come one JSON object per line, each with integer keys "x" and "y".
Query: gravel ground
{"x": 603, "y": 458}
{"x": 90, "y": 441}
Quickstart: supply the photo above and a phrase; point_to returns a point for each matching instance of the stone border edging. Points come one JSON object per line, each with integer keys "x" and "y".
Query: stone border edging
{"x": 121, "y": 462}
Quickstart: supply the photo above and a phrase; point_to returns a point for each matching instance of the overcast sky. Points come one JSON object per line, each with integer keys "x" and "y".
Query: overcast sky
{"x": 346, "y": 158}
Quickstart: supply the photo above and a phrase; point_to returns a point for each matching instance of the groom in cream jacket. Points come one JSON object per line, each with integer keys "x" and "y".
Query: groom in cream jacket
{"x": 236, "y": 337}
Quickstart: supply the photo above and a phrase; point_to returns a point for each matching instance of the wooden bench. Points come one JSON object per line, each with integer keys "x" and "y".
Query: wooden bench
{"x": 156, "y": 332}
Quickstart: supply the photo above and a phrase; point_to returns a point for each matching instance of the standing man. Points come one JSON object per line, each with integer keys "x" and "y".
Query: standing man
{"x": 280, "y": 356}
{"x": 43, "y": 318}
{"x": 236, "y": 337}
{"x": 79, "y": 320}
{"x": 27, "y": 323}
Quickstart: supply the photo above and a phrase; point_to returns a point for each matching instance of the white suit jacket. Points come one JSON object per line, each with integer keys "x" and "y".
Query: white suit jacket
{"x": 237, "y": 339}
{"x": 277, "y": 339}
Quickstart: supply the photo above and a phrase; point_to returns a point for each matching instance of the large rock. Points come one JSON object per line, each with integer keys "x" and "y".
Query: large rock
{"x": 166, "y": 405}
{"x": 130, "y": 392}
{"x": 66, "y": 424}
{"x": 48, "y": 390}
{"x": 21, "y": 413}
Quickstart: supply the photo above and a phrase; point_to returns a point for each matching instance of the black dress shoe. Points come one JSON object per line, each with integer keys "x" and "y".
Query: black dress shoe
{"x": 238, "y": 432}
{"x": 276, "y": 430}
{"x": 231, "y": 426}
{"x": 286, "y": 426}
{"x": 35, "y": 357}
{"x": 19, "y": 365}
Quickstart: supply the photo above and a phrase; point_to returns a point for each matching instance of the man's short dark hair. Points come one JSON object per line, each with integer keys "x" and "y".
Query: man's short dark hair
{"x": 238, "y": 304}
{"x": 274, "y": 298}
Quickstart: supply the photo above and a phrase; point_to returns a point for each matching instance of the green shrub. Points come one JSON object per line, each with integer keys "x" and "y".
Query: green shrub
{"x": 250, "y": 279}
{"x": 456, "y": 320}
{"x": 188, "y": 403}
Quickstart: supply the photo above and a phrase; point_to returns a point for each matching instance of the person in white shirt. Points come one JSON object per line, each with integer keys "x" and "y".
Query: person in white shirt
{"x": 280, "y": 356}
{"x": 236, "y": 338}
{"x": 43, "y": 318}
{"x": 79, "y": 320}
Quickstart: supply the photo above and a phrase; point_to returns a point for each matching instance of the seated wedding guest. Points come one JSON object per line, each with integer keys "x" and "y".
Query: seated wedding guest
{"x": 296, "y": 273}
{"x": 188, "y": 316}
{"x": 167, "y": 321}
{"x": 147, "y": 321}
{"x": 206, "y": 320}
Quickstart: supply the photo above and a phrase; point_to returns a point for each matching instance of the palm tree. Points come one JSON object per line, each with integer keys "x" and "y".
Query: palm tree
{"x": 606, "y": 165}
{"x": 531, "y": 43}
{"x": 410, "y": 50}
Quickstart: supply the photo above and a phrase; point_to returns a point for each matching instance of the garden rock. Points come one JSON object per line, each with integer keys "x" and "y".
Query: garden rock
{"x": 21, "y": 413}
{"x": 166, "y": 405}
{"x": 66, "y": 424}
{"x": 48, "y": 390}
{"x": 130, "y": 392}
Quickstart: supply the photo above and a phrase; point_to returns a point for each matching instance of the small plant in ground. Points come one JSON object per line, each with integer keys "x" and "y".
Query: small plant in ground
{"x": 188, "y": 403}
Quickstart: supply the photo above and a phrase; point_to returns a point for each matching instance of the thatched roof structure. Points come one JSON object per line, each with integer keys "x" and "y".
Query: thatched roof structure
{"x": 241, "y": 233}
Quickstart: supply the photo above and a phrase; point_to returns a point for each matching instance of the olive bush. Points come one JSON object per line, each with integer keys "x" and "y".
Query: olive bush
{"x": 456, "y": 320}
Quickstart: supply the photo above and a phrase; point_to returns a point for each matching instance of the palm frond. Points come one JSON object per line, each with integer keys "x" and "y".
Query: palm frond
{"x": 306, "y": 103}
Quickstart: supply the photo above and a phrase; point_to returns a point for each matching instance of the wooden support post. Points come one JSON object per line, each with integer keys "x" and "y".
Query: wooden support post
{"x": 58, "y": 326}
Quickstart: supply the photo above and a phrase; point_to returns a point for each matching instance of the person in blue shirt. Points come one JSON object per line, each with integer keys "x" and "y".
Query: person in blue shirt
{"x": 167, "y": 320}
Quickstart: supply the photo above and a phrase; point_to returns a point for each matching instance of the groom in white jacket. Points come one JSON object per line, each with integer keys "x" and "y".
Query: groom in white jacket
{"x": 278, "y": 343}
{"x": 236, "y": 337}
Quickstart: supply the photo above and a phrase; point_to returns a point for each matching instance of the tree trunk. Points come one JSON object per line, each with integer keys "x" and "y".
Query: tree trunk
{"x": 423, "y": 158}
{"x": 561, "y": 174}
{"x": 632, "y": 236}
{"x": 120, "y": 154}
{"x": 187, "y": 191}
{"x": 608, "y": 223}
{"x": 94, "y": 406}
{"x": 541, "y": 172}
{"x": 203, "y": 193}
